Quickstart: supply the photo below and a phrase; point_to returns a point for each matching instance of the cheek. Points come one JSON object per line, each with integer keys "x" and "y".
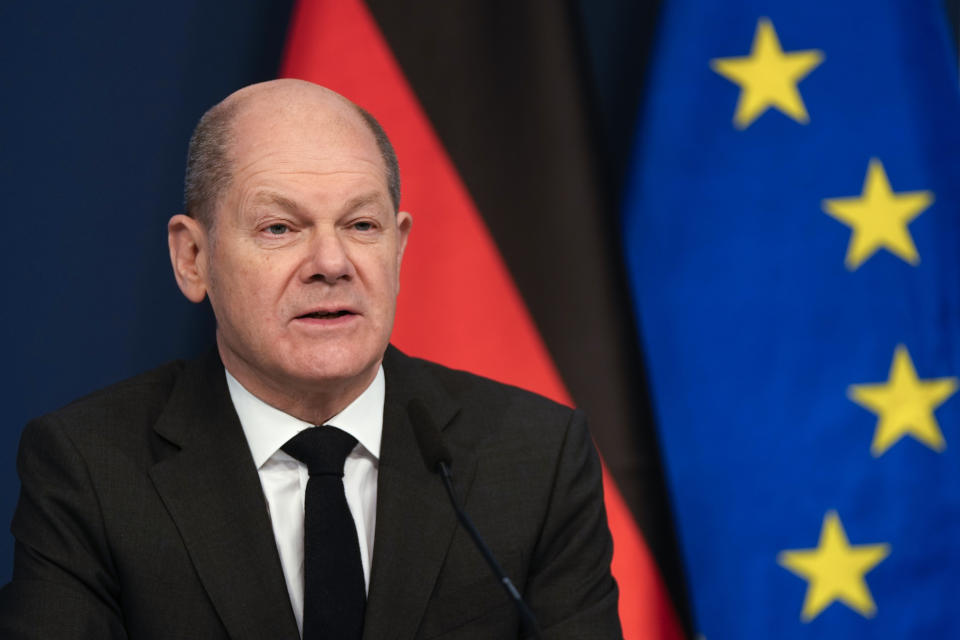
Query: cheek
{"x": 378, "y": 279}
{"x": 259, "y": 294}
{"x": 245, "y": 293}
{"x": 396, "y": 272}
{"x": 389, "y": 275}
{"x": 390, "y": 263}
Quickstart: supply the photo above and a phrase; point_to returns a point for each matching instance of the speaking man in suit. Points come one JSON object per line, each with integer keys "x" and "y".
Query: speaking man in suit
{"x": 274, "y": 489}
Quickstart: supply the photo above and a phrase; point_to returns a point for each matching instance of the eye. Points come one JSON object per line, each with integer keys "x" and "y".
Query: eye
{"x": 363, "y": 225}
{"x": 277, "y": 229}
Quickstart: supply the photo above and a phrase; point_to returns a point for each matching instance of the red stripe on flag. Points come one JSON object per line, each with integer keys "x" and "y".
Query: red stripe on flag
{"x": 458, "y": 304}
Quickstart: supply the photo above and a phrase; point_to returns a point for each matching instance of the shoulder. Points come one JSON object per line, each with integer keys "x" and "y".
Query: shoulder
{"x": 496, "y": 411}
{"x": 139, "y": 394}
{"x": 471, "y": 388}
{"x": 113, "y": 411}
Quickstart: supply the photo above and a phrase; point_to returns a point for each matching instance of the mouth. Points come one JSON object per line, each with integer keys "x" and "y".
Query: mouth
{"x": 326, "y": 315}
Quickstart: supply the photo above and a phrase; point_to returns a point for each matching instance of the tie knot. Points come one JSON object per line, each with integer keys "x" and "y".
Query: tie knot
{"x": 322, "y": 449}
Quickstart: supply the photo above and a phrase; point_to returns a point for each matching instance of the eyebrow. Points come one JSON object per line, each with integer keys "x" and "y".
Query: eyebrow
{"x": 357, "y": 202}
{"x": 270, "y": 197}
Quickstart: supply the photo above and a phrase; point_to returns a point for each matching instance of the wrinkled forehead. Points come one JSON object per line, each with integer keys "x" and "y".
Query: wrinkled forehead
{"x": 326, "y": 134}
{"x": 330, "y": 124}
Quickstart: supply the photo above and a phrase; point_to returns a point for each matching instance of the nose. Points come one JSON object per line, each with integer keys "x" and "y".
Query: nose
{"x": 328, "y": 260}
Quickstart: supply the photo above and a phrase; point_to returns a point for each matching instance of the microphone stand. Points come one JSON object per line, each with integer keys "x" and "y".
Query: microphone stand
{"x": 529, "y": 621}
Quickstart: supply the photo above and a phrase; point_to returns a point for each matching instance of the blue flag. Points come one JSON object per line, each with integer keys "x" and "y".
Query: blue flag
{"x": 792, "y": 236}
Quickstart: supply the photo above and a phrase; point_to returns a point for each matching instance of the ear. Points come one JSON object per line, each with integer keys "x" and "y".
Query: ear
{"x": 188, "y": 252}
{"x": 404, "y": 222}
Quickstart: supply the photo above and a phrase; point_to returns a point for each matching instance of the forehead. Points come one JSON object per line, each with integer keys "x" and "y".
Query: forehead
{"x": 324, "y": 135}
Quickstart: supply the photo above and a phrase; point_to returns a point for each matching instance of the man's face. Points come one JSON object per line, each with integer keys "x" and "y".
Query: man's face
{"x": 303, "y": 261}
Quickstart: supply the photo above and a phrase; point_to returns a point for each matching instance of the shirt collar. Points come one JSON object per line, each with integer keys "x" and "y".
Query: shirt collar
{"x": 267, "y": 428}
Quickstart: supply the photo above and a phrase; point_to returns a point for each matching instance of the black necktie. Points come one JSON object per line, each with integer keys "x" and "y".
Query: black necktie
{"x": 334, "y": 595}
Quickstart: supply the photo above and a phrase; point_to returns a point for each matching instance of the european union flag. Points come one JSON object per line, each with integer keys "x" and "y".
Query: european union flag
{"x": 792, "y": 234}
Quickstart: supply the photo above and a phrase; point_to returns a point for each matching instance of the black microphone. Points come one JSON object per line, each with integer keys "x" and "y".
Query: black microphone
{"x": 437, "y": 458}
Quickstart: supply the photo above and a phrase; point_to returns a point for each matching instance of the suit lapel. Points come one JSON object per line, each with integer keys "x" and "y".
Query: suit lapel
{"x": 212, "y": 491}
{"x": 415, "y": 522}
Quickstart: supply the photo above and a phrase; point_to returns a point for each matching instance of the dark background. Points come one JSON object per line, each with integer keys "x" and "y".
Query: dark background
{"x": 97, "y": 107}
{"x": 99, "y": 101}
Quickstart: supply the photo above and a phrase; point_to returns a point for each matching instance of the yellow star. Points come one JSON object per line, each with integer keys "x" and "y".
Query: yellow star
{"x": 768, "y": 77}
{"x": 835, "y": 570}
{"x": 904, "y": 404}
{"x": 879, "y": 218}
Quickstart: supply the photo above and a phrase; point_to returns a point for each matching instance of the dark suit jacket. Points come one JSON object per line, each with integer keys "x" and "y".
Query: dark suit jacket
{"x": 141, "y": 515}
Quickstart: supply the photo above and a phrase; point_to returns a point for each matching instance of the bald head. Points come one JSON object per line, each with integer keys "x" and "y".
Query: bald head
{"x": 270, "y": 107}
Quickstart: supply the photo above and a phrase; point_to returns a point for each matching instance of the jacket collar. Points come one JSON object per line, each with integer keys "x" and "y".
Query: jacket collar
{"x": 415, "y": 522}
{"x": 213, "y": 493}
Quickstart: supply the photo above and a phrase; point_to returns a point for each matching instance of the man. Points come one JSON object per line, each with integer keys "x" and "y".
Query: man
{"x": 183, "y": 503}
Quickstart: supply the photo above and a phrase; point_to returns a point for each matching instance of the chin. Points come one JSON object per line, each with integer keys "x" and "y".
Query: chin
{"x": 317, "y": 366}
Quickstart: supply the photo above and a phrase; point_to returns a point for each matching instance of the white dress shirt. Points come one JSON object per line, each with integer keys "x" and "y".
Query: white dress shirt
{"x": 284, "y": 479}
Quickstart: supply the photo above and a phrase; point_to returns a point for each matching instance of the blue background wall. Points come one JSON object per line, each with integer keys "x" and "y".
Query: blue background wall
{"x": 98, "y": 104}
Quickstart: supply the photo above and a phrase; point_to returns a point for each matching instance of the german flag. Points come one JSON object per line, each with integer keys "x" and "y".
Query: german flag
{"x": 509, "y": 272}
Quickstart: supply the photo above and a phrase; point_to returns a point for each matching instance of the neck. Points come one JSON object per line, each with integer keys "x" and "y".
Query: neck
{"x": 313, "y": 401}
